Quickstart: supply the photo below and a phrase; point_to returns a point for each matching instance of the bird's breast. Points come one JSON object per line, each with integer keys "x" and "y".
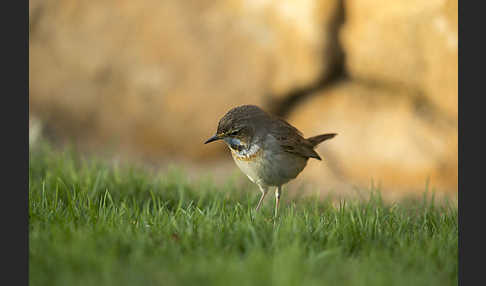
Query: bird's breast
{"x": 250, "y": 153}
{"x": 250, "y": 162}
{"x": 268, "y": 165}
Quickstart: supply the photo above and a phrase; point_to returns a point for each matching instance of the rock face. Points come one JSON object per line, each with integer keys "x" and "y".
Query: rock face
{"x": 410, "y": 44}
{"x": 151, "y": 79}
{"x": 382, "y": 136}
{"x": 155, "y": 76}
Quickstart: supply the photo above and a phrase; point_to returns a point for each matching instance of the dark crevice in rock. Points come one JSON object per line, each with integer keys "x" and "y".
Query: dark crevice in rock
{"x": 283, "y": 107}
{"x": 337, "y": 72}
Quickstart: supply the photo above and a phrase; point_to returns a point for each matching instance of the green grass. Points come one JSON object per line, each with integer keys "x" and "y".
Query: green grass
{"x": 93, "y": 223}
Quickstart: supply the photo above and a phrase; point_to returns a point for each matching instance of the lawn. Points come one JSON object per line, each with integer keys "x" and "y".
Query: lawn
{"x": 98, "y": 223}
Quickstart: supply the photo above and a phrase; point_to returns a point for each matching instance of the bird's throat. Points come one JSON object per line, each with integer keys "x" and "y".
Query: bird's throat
{"x": 241, "y": 149}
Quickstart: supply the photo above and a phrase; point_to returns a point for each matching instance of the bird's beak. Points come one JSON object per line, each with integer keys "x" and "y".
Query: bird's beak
{"x": 214, "y": 138}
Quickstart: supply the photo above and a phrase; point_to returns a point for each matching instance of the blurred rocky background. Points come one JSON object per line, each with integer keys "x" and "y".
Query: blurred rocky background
{"x": 148, "y": 80}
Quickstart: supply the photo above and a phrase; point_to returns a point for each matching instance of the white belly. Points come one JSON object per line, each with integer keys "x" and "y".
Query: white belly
{"x": 250, "y": 169}
{"x": 249, "y": 162}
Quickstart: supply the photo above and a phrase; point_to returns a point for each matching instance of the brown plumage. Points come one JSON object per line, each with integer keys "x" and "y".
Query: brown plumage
{"x": 247, "y": 118}
{"x": 266, "y": 148}
{"x": 292, "y": 141}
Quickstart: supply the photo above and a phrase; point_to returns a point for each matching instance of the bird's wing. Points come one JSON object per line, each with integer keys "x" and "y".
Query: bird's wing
{"x": 292, "y": 141}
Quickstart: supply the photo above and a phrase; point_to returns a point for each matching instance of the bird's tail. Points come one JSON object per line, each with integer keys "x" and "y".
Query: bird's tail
{"x": 316, "y": 140}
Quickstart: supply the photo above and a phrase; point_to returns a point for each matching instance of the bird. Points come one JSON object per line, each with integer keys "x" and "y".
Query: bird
{"x": 266, "y": 148}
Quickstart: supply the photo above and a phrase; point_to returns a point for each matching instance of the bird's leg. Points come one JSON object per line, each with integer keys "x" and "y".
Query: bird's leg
{"x": 278, "y": 192}
{"x": 264, "y": 191}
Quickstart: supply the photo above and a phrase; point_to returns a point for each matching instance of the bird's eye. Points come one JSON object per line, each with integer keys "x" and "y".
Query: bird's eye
{"x": 232, "y": 133}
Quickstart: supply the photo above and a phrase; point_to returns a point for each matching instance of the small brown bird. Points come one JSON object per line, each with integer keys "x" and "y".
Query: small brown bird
{"x": 270, "y": 151}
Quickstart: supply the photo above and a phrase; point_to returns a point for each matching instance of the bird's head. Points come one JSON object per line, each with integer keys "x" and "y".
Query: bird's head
{"x": 238, "y": 126}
